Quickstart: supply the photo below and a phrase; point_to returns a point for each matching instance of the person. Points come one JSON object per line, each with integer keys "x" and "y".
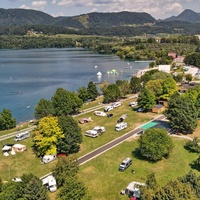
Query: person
{"x": 133, "y": 171}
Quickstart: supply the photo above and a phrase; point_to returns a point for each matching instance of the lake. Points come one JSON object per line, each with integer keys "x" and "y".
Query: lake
{"x": 26, "y": 76}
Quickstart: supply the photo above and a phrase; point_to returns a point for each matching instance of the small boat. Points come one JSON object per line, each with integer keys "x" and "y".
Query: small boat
{"x": 99, "y": 74}
{"x": 28, "y": 107}
{"x": 95, "y": 66}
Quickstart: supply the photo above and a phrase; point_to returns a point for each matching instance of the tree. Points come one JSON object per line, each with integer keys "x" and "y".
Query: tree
{"x": 169, "y": 88}
{"x": 65, "y": 102}
{"x": 182, "y": 113}
{"x": 72, "y": 189}
{"x": 47, "y": 135}
{"x": 151, "y": 182}
{"x": 175, "y": 190}
{"x": 83, "y": 93}
{"x": 1, "y": 185}
{"x": 194, "y": 180}
{"x": 123, "y": 87}
{"x": 161, "y": 75}
{"x": 72, "y": 139}
{"x": 6, "y": 120}
{"x": 135, "y": 84}
{"x": 33, "y": 188}
{"x": 193, "y": 145}
{"x": 178, "y": 77}
{"x": 112, "y": 93}
{"x": 65, "y": 167}
{"x": 188, "y": 77}
{"x": 92, "y": 91}
{"x": 146, "y": 99}
{"x": 155, "y": 86}
{"x": 103, "y": 85}
{"x": 44, "y": 108}
{"x": 155, "y": 144}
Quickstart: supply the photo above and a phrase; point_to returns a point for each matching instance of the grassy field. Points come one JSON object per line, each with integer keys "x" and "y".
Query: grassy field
{"x": 104, "y": 181}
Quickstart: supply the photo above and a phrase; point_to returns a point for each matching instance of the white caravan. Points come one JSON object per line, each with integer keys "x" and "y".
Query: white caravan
{"x": 95, "y": 131}
{"x": 48, "y": 158}
{"x": 100, "y": 113}
{"x": 50, "y": 182}
{"x": 22, "y": 136}
{"x": 121, "y": 126}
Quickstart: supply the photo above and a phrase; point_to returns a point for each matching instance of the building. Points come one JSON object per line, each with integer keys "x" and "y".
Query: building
{"x": 159, "y": 108}
{"x": 164, "y": 68}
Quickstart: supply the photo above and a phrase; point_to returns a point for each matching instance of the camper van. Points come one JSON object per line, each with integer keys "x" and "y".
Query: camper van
{"x": 120, "y": 126}
{"x": 125, "y": 164}
{"x": 48, "y": 158}
{"x": 50, "y": 182}
{"x": 116, "y": 104}
{"x": 108, "y": 108}
{"x": 95, "y": 132}
{"x": 22, "y": 136}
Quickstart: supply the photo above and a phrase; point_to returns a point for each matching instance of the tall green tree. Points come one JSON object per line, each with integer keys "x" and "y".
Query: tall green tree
{"x": 112, "y": 93}
{"x": 72, "y": 189}
{"x": 155, "y": 144}
{"x": 123, "y": 87}
{"x": 92, "y": 91}
{"x": 46, "y": 136}
{"x": 44, "y": 108}
{"x": 146, "y": 99}
{"x": 135, "y": 84}
{"x": 33, "y": 188}
{"x": 65, "y": 102}
{"x": 72, "y": 139}
{"x": 188, "y": 77}
{"x": 175, "y": 190}
{"x": 6, "y": 120}
{"x": 182, "y": 113}
{"x": 83, "y": 93}
{"x": 65, "y": 167}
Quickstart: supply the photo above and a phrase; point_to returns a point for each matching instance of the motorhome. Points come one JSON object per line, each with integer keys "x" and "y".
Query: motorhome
{"x": 22, "y": 136}
{"x": 95, "y": 132}
{"x": 91, "y": 133}
{"x": 108, "y": 108}
{"x": 48, "y": 158}
{"x": 116, "y": 104}
{"x": 125, "y": 164}
{"x": 50, "y": 182}
{"x": 121, "y": 126}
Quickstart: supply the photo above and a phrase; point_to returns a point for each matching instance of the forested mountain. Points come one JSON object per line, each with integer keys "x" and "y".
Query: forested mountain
{"x": 20, "y": 17}
{"x": 19, "y": 21}
{"x": 186, "y": 16}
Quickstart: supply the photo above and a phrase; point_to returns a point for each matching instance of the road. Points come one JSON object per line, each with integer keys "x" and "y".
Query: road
{"x": 10, "y": 135}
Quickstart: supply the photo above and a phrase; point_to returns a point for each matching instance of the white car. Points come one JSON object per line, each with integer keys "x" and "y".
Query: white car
{"x": 116, "y": 104}
{"x": 133, "y": 103}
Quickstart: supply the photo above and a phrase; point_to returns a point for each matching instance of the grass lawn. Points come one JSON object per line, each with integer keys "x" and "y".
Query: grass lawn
{"x": 104, "y": 181}
{"x": 22, "y": 162}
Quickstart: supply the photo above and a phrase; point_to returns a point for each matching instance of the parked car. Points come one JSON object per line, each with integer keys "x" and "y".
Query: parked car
{"x": 109, "y": 115}
{"x": 85, "y": 120}
{"x": 125, "y": 164}
{"x": 140, "y": 109}
{"x": 133, "y": 103}
{"x": 121, "y": 119}
{"x": 116, "y": 104}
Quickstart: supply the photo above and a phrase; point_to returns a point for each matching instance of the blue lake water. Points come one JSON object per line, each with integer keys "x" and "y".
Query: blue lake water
{"x": 26, "y": 76}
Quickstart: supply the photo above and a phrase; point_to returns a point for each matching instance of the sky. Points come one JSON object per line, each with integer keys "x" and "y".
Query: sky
{"x": 159, "y": 9}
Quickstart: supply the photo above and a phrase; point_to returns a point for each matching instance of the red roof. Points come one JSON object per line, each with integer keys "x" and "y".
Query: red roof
{"x": 133, "y": 198}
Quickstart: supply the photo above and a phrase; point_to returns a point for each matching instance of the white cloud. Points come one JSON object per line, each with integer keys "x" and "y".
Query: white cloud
{"x": 24, "y": 7}
{"x": 39, "y": 4}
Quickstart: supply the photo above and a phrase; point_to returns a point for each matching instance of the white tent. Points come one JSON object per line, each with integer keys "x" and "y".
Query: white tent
{"x": 19, "y": 147}
{"x": 6, "y": 148}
